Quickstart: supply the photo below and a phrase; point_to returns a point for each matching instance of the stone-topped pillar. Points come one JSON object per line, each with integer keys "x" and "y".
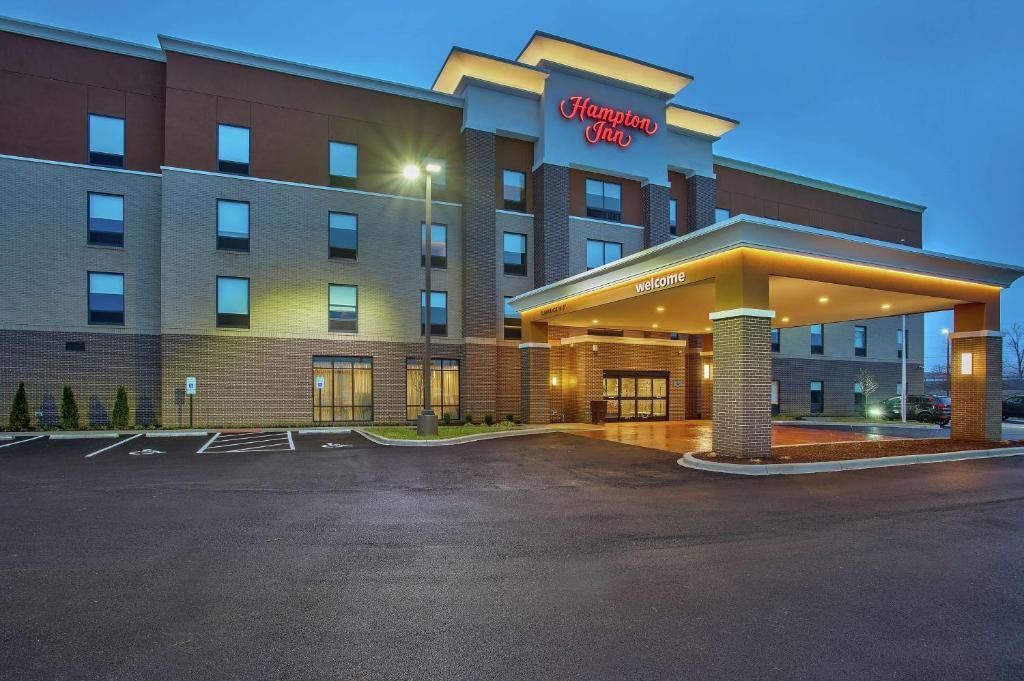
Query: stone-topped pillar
{"x": 976, "y": 380}
{"x": 742, "y": 374}
{"x": 534, "y": 373}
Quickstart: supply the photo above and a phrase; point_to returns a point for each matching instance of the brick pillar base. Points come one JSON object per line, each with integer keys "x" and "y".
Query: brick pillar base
{"x": 742, "y": 387}
{"x": 479, "y": 381}
{"x": 534, "y": 369}
{"x": 977, "y": 398}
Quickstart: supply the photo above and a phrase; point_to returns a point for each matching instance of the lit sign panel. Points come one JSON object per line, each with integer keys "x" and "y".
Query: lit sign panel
{"x": 605, "y": 123}
{"x": 655, "y": 283}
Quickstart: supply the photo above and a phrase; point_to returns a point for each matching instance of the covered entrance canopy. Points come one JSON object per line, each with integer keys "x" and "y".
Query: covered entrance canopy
{"x": 741, "y": 277}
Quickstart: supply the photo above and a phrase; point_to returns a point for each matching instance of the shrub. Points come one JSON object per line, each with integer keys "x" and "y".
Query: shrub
{"x": 469, "y": 418}
{"x": 119, "y": 416}
{"x": 510, "y": 418}
{"x": 20, "y": 419}
{"x": 446, "y": 419}
{"x": 489, "y": 419}
{"x": 68, "y": 409}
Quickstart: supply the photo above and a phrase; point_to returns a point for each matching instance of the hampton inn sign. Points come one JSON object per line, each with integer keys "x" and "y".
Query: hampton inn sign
{"x": 603, "y": 121}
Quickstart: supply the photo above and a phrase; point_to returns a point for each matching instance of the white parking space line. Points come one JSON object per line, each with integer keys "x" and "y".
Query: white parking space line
{"x": 228, "y": 440}
{"x": 208, "y": 443}
{"x": 250, "y": 442}
{"x": 119, "y": 442}
{"x": 291, "y": 442}
{"x": 18, "y": 442}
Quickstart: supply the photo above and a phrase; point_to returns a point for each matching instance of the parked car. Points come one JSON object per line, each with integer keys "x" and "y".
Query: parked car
{"x": 923, "y": 408}
{"x": 1013, "y": 407}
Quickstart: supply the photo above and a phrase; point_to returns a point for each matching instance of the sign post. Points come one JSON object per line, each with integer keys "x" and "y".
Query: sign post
{"x": 190, "y": 390}
{"x": 320, "y": 391}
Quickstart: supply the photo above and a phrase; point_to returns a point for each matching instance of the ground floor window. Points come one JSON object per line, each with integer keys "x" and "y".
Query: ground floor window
{"x": 636, "y": 397}
{"x": 775, "y": 398}
{"x": 347, "y": 389}
{"x": 444, "y": 388}
{"x": 858, "y": 399}
{"x": 817, "y": 397}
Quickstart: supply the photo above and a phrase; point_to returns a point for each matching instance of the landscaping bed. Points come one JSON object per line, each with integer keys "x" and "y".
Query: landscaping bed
{"x": 870, "y": 449}
{"x": 443, "y": 432}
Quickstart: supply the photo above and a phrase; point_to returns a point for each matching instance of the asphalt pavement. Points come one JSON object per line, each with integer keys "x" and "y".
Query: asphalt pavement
{"x": 550, "y": 556}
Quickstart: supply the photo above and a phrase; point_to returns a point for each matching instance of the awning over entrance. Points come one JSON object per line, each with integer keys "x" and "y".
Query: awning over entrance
{"x": 739, "y": 278}
{"x": 805, "y": 275}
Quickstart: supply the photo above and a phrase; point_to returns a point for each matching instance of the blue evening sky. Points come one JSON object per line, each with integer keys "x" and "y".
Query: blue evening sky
{"x": 916, "y": 100}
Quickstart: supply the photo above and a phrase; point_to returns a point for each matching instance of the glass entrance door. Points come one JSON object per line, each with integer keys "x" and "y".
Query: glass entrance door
{"x": 636, "y": 396}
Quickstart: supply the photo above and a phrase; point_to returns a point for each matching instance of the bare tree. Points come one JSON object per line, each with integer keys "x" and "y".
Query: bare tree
{"x": 1014, "y": 338}
{"x": 868, "y": 383}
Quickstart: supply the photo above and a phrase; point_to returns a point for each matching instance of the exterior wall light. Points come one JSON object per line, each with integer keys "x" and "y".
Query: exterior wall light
{"x": 966, "y": 363}
{"x": 707, "y": 372}
{"x": 594, "y": 347}
{"x": 554, "y": 379}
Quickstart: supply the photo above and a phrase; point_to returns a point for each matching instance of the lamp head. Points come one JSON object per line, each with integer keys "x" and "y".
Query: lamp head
{"x": 411, "y": 171}
{"x": 433, "y": 167}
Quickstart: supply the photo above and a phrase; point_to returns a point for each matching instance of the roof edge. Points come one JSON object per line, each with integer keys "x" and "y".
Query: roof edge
{"x": 552, "y": 36}
{"x": 785, "y": 176}
{"x": 80, "y": 39}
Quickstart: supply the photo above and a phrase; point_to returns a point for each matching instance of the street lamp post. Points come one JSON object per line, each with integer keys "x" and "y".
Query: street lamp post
{"x": 426, "y": 421}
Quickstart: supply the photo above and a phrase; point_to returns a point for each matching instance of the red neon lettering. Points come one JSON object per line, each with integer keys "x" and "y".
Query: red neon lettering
{"x": 603, "y": 121}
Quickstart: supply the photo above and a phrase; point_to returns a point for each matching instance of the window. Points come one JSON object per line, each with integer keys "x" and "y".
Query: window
{"x": 817, "y": 339}
{"x": 438, "y": 313}
{"x": 106, "y": 141}
{"x": 514, "y": 253}
{"x": 858, "y": 398}
{"x": 604, "y": 200}
{"x": 602, "y": 252}
{"x": 899, "y": 389}
{"x": 106, "y": 298}
{"x": 342, "y": 308}
{"x": 775, "y": 398}
{"x": 106, "y": 219}
{"x": 901, "y": 338}
{"x": 344, "y": 164}
{"x": 444, "y": 388}
{"x": 597, "y": 331}
{"x": 513, "y": 324}
{"x": 233, "y": 149}
{"x": 673, "y": 224}
{"x": 347, "y": 394}
{"x": 342, "y": 235}
{"x": 817, "y": 397}
{"x": 233, "y": 302}
{"x": 860, "y": 341}
{"x": 232, "y": 225}
{"x": 776, "y": 340}
{"x": 721, "y": 214}
{"x": 513, "y": 190}
{"x": 438, "y": 245}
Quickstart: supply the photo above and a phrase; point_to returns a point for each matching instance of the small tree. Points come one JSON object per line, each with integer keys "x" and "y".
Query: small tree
{"x": 1014, "y": 338}
{"x": 119, "y": 416}
{"x": 68, "y": 409}
{"x": 868, "y": 384}
{"x": 20, "y": 419}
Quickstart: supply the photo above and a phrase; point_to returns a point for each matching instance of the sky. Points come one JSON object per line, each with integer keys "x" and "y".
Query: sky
{"x": 918, "y": 100}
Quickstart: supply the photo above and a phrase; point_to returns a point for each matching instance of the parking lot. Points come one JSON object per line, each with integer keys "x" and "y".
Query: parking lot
{"x": 321, "y": 555}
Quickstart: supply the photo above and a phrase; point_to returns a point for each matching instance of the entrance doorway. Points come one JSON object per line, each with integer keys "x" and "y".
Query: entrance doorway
{"x": 636, "y": 396}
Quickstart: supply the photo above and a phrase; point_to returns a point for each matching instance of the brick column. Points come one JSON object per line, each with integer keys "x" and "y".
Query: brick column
{"x": 706, "y": 384}
{"x": 654, "y": 205}
{"x": 550, "y": 223}
{"x": 534, "y": 369}
{"x": 480, "y": 279}
{"x": 742, "y": 384}
{"x": 977, "y": 397}
{"x": 700, "y": 202}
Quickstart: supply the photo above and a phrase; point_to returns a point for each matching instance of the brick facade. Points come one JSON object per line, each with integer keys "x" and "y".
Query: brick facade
{"x": 534, "y": 395}
{"x": 977, "y": 399}
{"x": 551, "y": 223}
{"x": 700, "y": 202}
{"x": 654, "y": 206}
{"x": 742, "y": 374}
{"x": 838, "y": 376}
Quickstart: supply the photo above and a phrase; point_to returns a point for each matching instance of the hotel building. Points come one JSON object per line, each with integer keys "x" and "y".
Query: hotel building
{"x": 190, "y": 210}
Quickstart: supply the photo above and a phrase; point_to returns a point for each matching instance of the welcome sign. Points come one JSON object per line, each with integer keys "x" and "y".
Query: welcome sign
{"x": 662, "y": 281}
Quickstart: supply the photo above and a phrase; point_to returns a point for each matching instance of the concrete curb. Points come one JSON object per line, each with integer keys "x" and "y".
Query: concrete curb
{"x": 81, "y": 436}
{"x": 690, "y": 461}
{"x": 177, "y": 433}
{"x": 6, "y": 437}
{"x": 462, "y": 439}
{"x": 314, "y": 431}
{"x": 855, "y": 424}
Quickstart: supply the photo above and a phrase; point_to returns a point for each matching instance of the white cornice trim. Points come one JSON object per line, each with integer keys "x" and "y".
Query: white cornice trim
{"x": 523, "y": 346}
{"x": 622, "y": 340}
{"x": 736, "y": 164}
{"x": 610, "y": 223}
{"x": 224, "y": 54}
{"x": 286, "y": 183}
{"x": 79, "y": 165}
{"x": 93, "y": 42}
{"x": 471, "y": 340}
{"x": 978, "y": 334}
{"x": 515, "y": 213}
{"x": 742, "y": 312}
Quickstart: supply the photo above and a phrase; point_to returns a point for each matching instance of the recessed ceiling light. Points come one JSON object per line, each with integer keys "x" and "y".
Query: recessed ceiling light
{"x": 654, "y": 325}
{"x": 593, "y": 321}
{"x": 886, "y": 306}
{"x": 707, "y": 328}
{"x": 823, "y": 299}
{"x": 661, "y": 308}
{"x": 785, "y": 319}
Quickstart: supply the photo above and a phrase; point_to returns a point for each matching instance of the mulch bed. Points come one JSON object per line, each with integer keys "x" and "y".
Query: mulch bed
{"x": 871, "y": 449}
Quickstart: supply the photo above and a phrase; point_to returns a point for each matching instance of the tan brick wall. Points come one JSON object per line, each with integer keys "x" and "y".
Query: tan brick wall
{"x": 479, "y": 381}
{"x": 742, "y": 375}
{"x": 535, "y": 368}
{"x": 977, "y": 401}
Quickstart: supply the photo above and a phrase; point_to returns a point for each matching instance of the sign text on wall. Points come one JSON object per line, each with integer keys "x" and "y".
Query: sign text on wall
{"x": 605, "y": 123}
{"x": 662, "y": 281}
